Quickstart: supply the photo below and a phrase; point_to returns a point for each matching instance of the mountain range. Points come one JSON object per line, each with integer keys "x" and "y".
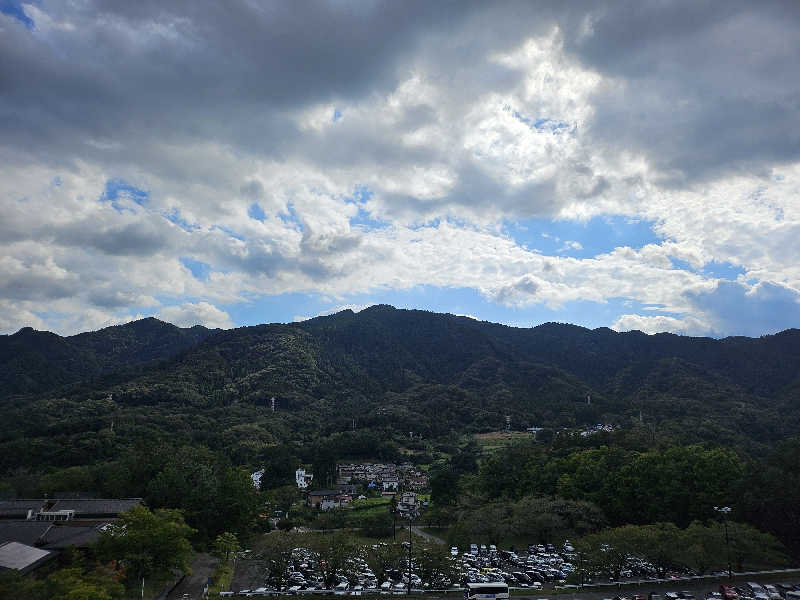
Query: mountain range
{"x": 389, "y": 370}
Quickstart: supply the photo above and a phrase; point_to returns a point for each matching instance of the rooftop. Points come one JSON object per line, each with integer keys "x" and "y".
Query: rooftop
{"x": 21, "y": 557}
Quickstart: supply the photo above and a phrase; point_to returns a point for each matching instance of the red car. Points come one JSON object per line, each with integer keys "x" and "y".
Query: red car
{"x": 728, "y": 593}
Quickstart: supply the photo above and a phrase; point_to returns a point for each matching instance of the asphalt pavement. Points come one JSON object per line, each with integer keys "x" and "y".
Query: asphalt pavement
{"x": 192, "y": 586}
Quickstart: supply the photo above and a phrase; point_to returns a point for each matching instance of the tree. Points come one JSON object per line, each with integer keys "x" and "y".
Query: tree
{"x": 279, "y": 465}
{"x": 73, "y": 584}
{"x": 277, "y": 555}
{"x": 226, "y": 544}
{"x": 701, "y": 548}
{"x": 751, "y": 547}
{"x": 434, "y": 564}
{"x": 606, "y": 551}
{"x": 378, "y": 525}
{"x": 334, "y": 551}
{"x": 283, "y": 497}
{"x": 384, "y": 557}
{"x": 659, "y": 543}
{"x": 148, "y": 543}
{"x": 444, "y": 485}
{"x": 214, "y": 496}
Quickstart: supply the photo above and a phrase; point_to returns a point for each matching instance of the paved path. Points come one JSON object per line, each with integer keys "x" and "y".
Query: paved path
{"x": 427, "y": 536}
{"x": 202, "y": 568}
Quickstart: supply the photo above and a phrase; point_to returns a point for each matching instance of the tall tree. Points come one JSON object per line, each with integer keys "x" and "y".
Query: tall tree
{"x": 334, "y": 551}
{"x": 277, "y": 555}
{"x": 226, "y": 544}
{"x": 147, "y": 543}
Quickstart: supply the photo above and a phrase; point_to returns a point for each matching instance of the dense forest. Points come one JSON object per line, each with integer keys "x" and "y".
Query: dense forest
{"x": 179, "y": 415}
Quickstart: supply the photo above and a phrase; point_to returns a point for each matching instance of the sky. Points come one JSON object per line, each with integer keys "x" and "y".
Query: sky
{"x": 625, "y": 164}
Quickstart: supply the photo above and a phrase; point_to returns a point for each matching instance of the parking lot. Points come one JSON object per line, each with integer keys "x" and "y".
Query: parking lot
{"x": 538, "y": 572}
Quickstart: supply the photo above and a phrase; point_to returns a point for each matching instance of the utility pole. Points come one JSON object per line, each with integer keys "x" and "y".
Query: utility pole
{"x": 409, "y": 553}
{"x": 724, "y": 510}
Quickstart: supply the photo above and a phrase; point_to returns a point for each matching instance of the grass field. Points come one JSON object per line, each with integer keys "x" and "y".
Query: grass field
{"x": 495, "y": 440}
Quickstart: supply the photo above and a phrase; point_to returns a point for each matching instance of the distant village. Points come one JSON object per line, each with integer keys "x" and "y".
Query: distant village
{"x": 355, "y": 480}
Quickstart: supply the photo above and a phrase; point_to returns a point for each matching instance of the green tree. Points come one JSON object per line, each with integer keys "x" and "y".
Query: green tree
{"x": 378, "y": 525}
{"x": 659, "y": 543}
{"x": 226, "y": 544}
{"x": 279, "y": 464}
{"x": 607, "y": 551}
{"x": 214, "y": 496}
{"x": 751, "y": 548}
{"x": 14, "y": 586}
{"x": 384, "y": 557}
{"x": 334, "y": 551}
{"x": 444, "y": 485}
{"x": 701, "y": 547}
{"x": 277, "y": 555}
{"x": 283, "y": 497}
{"x": 434, "y": 564}
{"x": 74, "y": 584}
{"x": 147, "y": 543}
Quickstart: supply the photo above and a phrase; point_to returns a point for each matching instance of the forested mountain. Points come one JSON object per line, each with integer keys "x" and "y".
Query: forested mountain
{"x": 34, "y": 361}
{"x": 387, "y": 371}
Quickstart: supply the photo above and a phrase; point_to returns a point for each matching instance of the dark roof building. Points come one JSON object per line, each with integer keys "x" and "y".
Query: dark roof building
{"x": 21, "y": 557}
{"x": 97, "y": 508}
{"x": 19, "y": 509}
{"x": 50, "y": 535}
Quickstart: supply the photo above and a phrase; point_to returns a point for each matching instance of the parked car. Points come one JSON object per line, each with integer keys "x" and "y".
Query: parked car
{"x": 728, "y": 592}
{"x": 772, "y": 592}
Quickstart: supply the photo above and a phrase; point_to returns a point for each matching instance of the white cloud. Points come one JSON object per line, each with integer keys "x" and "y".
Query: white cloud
{"x": 662, "y": 323}
{"x": 452, "y": 131}
{"x": 196, "y": 313}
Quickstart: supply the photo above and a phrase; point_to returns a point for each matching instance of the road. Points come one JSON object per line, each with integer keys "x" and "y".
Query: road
{"x": 202, "y": 568}
{"x": 427, "y": 536}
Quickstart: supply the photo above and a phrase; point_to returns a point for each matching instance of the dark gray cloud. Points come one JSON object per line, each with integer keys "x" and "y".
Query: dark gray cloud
{"x": 703, "y": 89}
{"x": 212, "y": 107}
{"x": 733, "y": 308}
{"x": 706, "y": 87}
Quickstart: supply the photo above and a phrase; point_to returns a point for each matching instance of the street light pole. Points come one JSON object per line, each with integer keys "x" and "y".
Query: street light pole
{"x": 724, "y": 510}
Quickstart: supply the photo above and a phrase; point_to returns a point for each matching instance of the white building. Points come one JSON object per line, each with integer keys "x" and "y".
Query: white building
{"x": 302, "y": 478}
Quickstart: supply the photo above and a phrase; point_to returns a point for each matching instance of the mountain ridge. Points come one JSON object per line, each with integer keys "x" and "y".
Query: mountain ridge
{"x": 396, "y": 370}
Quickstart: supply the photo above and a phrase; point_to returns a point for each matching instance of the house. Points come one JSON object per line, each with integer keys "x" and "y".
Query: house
{"x": 302, "y": 478}
{"x": 324, "y": 499}
{"x": 391, "y": 483}
{"x": 346, "y": 488}
{"x": 256, "y": 477}
{"x": 407, "y": 503}
{"x": 416, "y": 483}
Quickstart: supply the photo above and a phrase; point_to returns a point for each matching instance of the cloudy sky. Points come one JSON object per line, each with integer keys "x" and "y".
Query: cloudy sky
{"x": 634, "y": 165}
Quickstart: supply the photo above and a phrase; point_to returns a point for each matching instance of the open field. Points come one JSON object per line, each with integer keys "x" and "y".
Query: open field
{"x": 495, "y": 440}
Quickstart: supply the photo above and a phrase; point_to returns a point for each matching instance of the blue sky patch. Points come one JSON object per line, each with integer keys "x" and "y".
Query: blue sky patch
{"x": 199, "y": 269}
{"x": 230, "y": 232}
{"x": 555, "y": 126}
{"x": 176, "y": 218}
{"x": 13, "y": 8}
{"x": 464, "y": 301}
{"x": 713, "y": 269}
{"x": 256, "y": 212}
{"x": 117, "y": 189}
{"x": 723, "y": 270}
{"x": 579, "y": 239}
{"x": 363, "y": 220}
{"x": 337, "y": 114}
